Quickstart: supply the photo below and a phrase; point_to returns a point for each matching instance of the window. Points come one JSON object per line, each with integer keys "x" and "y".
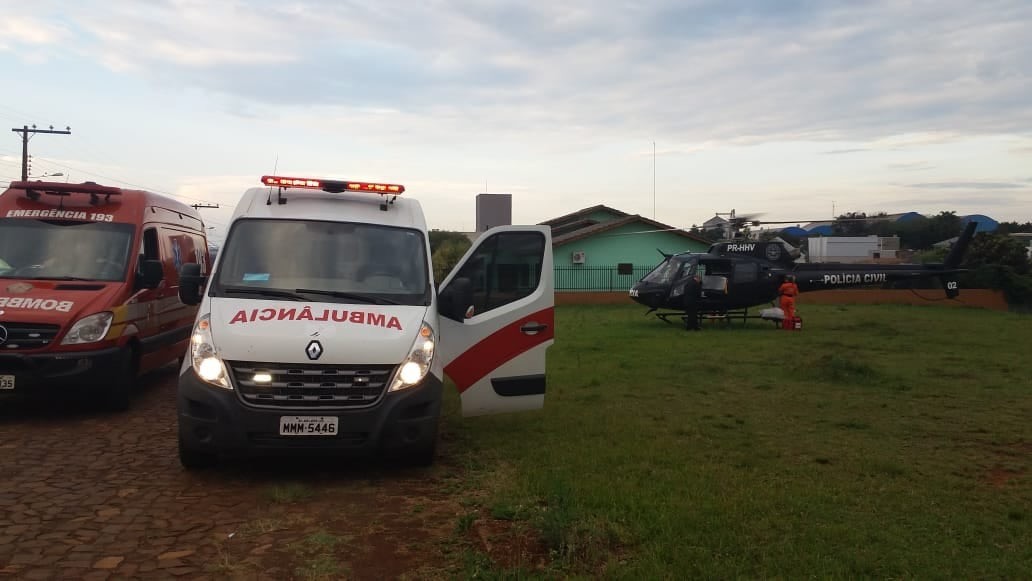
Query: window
{"x": 504, "y": 268}
{"x": 664, "y": 273}
{"x": 149, "y": 246}
{"x": 746, "y": 271}
{"x": 64, "y": 249}
{"x": 374, "y": 261}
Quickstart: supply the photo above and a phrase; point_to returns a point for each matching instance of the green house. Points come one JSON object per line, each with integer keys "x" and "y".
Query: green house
{"x": 603, "y": 249}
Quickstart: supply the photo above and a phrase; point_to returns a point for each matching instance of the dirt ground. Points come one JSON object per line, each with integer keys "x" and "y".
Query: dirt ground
{"x": 93, "y": 495}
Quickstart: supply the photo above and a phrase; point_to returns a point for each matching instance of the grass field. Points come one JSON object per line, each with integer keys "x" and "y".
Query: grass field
{"x": 881, "y": 441}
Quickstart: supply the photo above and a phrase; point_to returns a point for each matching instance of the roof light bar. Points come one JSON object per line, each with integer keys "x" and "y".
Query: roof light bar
{"x": 291, "y": 182}
{"x": 333, "y": 186}
{"x": 33, "y": 189}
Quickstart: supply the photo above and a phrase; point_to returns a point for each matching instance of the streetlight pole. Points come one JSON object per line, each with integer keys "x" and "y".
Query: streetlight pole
{"x": 653, "y": 180}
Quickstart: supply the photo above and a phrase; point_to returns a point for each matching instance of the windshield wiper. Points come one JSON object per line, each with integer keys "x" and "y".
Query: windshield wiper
{"x": 268, "y": 292}
{"x": 344, "y": 295}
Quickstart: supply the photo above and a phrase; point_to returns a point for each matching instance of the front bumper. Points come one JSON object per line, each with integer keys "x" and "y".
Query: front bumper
{"x": 45, "y": 372}
{"x": 215, "y": 420}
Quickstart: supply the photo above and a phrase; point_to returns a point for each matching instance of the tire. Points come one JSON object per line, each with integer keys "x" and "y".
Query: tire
{"x": 115, "y": 395}
{"x": 421, "y": 456}
{"x": 195, "y": 460}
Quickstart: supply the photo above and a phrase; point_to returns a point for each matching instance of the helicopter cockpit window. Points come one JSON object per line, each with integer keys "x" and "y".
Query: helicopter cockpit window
{"x": 664, "y": 273}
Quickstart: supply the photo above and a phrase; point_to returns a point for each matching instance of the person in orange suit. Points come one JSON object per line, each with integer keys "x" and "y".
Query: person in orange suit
{"x": 788, "y": 291}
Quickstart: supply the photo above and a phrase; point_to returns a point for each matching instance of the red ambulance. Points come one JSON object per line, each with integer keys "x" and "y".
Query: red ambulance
{"x": 89, "y": 287}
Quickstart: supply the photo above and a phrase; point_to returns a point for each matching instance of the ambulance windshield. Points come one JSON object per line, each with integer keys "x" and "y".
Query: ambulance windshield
{"x": 335, "y": 261}
{"x": 64, "y": 250}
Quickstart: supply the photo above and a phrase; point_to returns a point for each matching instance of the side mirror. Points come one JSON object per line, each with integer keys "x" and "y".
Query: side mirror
{"x": 190, "y": 284}
{"x": 151, "y": 274}
{"x": 456, "y": 301}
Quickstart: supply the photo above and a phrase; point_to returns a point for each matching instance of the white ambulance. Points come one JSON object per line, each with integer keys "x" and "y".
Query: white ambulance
{"x": 321, "y": 329}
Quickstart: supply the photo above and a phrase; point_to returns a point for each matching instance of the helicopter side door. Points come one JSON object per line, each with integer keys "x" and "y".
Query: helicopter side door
{"x": 716, "y": 278}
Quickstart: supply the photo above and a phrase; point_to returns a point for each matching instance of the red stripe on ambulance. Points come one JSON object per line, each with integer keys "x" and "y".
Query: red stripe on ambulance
{"x": 499, "y": 348}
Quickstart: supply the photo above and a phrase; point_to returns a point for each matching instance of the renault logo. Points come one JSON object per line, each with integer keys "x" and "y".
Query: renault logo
{"x": 3, "y": 334}
{"x": 314, "y": 349}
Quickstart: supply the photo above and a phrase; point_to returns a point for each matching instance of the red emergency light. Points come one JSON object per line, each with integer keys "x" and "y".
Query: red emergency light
{"x": 333, "y": 186}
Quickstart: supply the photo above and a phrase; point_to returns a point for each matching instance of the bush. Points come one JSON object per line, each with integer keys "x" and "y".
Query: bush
{"x": 1017, "y": 288}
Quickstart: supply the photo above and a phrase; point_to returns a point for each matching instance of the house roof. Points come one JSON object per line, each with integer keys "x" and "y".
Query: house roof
{"x": 627, "y": 219}
{"x": 568, "y": 227}
{"x": 582, "y": 215}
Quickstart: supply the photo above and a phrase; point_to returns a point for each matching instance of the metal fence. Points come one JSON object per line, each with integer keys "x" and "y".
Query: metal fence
{"x": 597, "y": 278}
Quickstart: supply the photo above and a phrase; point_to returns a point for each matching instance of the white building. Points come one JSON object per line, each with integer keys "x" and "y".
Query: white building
{"x": 852, "y": 249}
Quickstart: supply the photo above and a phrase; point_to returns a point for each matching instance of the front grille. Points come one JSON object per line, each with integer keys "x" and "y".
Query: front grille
{"x": 299, "y": 385}
{"x": 23, "y": 336}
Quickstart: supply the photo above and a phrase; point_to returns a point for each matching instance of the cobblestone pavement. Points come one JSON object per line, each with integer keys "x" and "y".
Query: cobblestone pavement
{"x": 94, "y": 495}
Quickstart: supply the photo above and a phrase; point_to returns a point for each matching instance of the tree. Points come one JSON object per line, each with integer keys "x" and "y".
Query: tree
{"x": 438, "y": 237}
{"x": 1012, "y": 227}
{"x": 935, "y": 255}
{"x": 1001, "y": 262}
{"x": 998, "y": 249}
{"x": 850, "y": 224}
{"x": 446, "y": 248}
{"x": 943, "y": 226}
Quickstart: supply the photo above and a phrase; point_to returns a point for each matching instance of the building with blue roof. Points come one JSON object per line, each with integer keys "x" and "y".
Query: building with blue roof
{"x": 985, "y": 223}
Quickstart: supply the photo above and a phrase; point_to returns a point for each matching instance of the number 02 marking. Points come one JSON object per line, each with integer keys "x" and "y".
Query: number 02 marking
{"x": 952, "y": 285}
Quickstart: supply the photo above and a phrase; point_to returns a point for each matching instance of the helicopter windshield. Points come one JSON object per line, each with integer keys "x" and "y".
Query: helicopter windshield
{"x": 667, "y": 271}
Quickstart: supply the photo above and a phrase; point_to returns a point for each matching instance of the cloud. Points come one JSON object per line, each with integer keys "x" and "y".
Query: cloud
{"x": 967, "y": 185}
{"x": 964, "y": 202}
{"x": 681, "y": 72}
{"x": 844, "y": 151}
{"x": 675, "y": 151}
{"x": 910, "y": 166}
{"x": 25, "y": 30}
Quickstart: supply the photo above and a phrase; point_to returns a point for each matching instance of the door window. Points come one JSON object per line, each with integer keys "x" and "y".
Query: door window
{"x": 504, "y": 268}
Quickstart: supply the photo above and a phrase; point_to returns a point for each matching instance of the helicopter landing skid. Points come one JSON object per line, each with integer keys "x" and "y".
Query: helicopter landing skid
{"x": 724, "y": 316}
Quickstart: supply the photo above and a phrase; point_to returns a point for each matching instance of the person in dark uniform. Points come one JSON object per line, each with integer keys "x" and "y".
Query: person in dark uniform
{"x": 690, "y": 301}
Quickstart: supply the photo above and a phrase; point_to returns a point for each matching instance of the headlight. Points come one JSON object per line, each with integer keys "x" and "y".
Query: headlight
{"x": 88, "y": 329}
{"x": 415, "y": 367}
{"x": 203, "y": 356}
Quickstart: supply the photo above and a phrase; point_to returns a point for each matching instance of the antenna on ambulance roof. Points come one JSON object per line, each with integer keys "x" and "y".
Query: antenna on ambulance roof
{"x": 275, "y": 166}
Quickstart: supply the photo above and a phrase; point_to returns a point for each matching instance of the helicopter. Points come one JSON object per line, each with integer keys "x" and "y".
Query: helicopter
{"x": 734, "y": 275}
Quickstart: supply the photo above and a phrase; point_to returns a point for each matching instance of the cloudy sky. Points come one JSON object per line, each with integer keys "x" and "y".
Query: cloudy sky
{"x": 791, "y": 108}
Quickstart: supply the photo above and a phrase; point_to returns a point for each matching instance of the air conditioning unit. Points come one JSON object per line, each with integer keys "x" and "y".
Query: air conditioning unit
{"x": 579, "y": 257}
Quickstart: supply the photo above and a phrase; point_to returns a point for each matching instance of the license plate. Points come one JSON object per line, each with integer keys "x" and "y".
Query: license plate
{"x": 6, "y": 382}
{"x": 308, "y": 425}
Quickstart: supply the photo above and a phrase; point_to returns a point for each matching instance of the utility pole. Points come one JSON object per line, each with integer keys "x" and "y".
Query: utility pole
{"x": 653, "y": 180}
{"x": 25, "y": 131}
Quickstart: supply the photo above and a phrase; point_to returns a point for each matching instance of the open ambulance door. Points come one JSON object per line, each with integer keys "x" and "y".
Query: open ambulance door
{"x": 497, "y": 320}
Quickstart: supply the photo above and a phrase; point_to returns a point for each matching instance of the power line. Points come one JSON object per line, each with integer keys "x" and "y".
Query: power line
{"x": 142, "y": 187}
{"x": 13, "y": 110}
{"x": 156, "y": 190}
{"x": 25, "y": 131}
